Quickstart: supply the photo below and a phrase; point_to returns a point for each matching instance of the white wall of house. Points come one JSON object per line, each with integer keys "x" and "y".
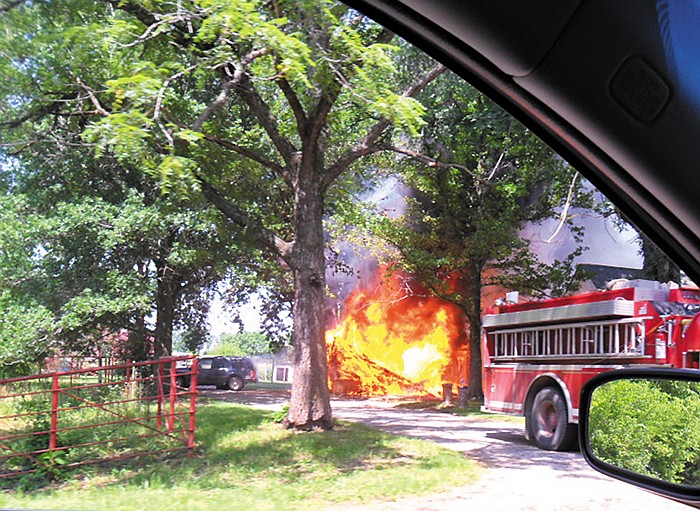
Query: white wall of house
{"x": 275, "y": 368}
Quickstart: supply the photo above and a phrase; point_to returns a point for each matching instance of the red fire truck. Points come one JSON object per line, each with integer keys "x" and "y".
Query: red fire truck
{"x": 537, "y": 355}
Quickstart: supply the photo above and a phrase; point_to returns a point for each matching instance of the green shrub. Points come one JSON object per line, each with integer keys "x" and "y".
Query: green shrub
{"x": 649, "y": 427}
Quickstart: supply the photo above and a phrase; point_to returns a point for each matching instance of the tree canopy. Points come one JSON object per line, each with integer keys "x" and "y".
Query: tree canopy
{"x": 240, "y": 344}
{"x": 261, "y": 108}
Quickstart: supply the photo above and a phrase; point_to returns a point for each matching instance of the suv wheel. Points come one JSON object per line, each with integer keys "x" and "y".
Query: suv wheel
{"x": 235, "y": 383}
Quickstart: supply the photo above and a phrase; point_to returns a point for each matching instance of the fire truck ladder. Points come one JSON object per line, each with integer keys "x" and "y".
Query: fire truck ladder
{"x": 598, "y": 339}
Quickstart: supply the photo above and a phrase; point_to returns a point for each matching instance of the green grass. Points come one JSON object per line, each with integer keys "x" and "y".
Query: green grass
{"x": 247, "y": 462}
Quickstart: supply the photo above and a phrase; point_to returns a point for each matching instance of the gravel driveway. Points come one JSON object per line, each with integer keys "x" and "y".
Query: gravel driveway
{"x": 518, "y": 476}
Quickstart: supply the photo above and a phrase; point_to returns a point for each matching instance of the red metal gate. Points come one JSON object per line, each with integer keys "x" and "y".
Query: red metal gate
{"x": 67, "y": 419}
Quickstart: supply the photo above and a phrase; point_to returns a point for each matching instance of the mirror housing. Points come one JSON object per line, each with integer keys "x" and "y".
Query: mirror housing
{"x": 600, "y": 422}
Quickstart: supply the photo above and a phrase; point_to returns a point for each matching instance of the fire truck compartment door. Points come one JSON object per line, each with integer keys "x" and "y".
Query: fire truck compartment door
{"x": 691, "y": 335}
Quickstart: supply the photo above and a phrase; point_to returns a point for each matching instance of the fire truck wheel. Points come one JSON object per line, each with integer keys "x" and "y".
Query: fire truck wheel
{"x": 235, "y": 383}
{"x": 547, "y": 424}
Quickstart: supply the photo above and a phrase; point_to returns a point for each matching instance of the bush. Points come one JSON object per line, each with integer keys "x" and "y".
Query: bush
{"x": 651, "y": 427}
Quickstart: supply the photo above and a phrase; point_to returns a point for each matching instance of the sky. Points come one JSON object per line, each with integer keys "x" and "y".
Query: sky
{"x": 250, "y": 316}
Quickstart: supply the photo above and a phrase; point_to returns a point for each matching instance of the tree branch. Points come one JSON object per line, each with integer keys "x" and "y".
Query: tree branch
{"x": 344, "y": 161}
{"x": 92, "y": 97}
{"x": 294, "y": 104}
{"x": 22, "y": 146}
{"x": 267, "y": 119}
{"x": 164, "y": 88}
{"x": 51, "y": 108}
{"x": 223, "y": 96}
{"x": 425, "y": 81}
{"x": 496, "y": 167}
{"x": 364, "y": 146}
{"x": 182, "y": 33}
{"x": 162, "y": 19}
{"x": 330, "y": 96}
{"x": 432, "y": 162}
{"x": 248, "y": 153}
{"x": 565, "y": 211}
{"x": 243, "y": 151}
{"x": 323, "y": 108}
{"x": 242, "y": 219}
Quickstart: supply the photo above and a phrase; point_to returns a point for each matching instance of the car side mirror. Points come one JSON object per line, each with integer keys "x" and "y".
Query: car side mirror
{"x": 642, "y": 426}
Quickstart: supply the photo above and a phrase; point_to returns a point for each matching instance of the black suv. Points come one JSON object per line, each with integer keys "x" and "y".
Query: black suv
{"x": 224, "y": 372}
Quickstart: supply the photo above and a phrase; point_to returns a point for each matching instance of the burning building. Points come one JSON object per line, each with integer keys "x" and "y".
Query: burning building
{"x": 395, "y": 338}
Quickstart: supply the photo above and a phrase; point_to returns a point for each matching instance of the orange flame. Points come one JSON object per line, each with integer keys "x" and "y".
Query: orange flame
{"x": 396, "y": 339}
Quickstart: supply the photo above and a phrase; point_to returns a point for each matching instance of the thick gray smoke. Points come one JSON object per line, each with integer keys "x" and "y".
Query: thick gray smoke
{"x": 605, "y": 244}
{"x": 357, "y": 266}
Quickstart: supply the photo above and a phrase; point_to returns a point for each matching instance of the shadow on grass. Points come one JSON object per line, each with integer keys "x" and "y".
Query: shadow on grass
{"x": 263, "y": 447}
{"x": 238, "y": 444}
{"x": 216, "y": 420}
{"x": 245, "y": 457}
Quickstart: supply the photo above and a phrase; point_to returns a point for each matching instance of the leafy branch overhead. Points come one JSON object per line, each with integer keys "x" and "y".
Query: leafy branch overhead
{"x": 228, "y": 131}
{"x": 285, "y": 86}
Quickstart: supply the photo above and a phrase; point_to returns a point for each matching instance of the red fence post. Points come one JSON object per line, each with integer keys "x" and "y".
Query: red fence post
{"x": 159, "y": 383}
{"x": 173, "y": 396}
{"x": 54, "y": 411}
{"x": 193, "y": 408}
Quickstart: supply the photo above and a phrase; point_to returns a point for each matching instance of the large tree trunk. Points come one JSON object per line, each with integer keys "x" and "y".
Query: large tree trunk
{"x": 474, "y": 316}
{"x": 165, "y": 310}
{"x": 310, "y": 401}
{"x": 139, "y": 345}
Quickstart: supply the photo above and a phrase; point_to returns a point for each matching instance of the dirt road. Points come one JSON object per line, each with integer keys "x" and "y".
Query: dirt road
{"x": 518, "y": 476}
